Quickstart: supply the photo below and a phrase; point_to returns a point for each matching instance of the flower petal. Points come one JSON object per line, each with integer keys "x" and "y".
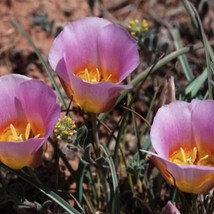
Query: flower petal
{"x": 11, "y": 109}
{"x": 19, "y": 154}
{"x": 118, "y": 52}
{"x": 170, "y": 208}
{"x": 78, "y": 40}
{"x": 39, "y": 104}
{"x": 187, "y": 178}
{"x": 171, "y": 128}
{"x": 202, "y": 123}
{"x": 96, "y": 98}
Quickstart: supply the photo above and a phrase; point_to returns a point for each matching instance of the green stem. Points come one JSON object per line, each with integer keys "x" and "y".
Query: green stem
{"x": 96, "y": 143}
{"x": 56, "y": 164}
{"x": 79, "y": 181}
{"x": 120, "y": 132}
{"x": 63, "y": 157}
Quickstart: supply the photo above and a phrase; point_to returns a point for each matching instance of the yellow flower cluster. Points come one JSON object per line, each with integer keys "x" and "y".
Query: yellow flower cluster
{"x": 137, "y": 28}
{"x": 65, "y": 129}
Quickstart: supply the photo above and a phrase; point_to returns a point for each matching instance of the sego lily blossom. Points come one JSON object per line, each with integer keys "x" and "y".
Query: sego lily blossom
{"x": 28, "y": 113}
{"x": 92, "y": 57}
{"x": 182, "y": 134}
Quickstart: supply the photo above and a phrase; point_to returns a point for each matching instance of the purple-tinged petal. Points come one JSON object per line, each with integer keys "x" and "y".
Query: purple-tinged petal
{"x": 78, "y": 40}
{"x": 170, "y": 208}
{"x": 39, "y": 104}
{"x": 19, "y": 154}
{"x": 188, "y": 178}
{"x": 10, "y": 109}
{"x": 118, "y": 52}
{"x": 171, "y": 128}
{"x": 99, "y": 97}
{"x": 203, "y": 126}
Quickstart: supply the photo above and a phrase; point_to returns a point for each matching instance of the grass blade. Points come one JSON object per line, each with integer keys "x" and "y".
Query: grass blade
{"x": 115, "y": 200}
{"x": 207, "y": 47}
{"x": 196, "y": 84}
{"x": 182, "y": 58}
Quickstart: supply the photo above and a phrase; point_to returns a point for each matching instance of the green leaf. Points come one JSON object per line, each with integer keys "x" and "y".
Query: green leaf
{"x": 196, "y": 84}
{"x": 207, "y": 47}
{"x": 115, "y": 202}
{"x": 182, "y": 58}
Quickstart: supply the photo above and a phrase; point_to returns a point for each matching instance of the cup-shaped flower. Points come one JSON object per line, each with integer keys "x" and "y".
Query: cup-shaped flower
{"x": 92, "y": 56}
{"x": 182, "y": 135}
{"x": 28, "y": 113}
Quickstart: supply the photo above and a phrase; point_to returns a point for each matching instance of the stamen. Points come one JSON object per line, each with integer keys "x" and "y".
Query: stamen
{"x": 87, "y": 75}
{"x": 183, "y": 155}
{"x": 93, "y": 75}
{"x": 108, "y": 78}
{"x": 194, "y": 154}
{"x": 17, "y": 134}
{"x": 202, "y": 159}
{"x": 191, "y": 157}
{"x": 27, "y": 131}
{"x": 13, "y": 131}
{"x": 98, "y": 75}
{"x": 37, "y": 136}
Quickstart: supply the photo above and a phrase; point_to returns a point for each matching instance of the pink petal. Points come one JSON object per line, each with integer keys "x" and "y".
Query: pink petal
{"x": 170, "y": 208}
{"x": 78, "y": 40}
{"x": 99, "y": 97}
{"x": 188, "y": 178}
{"x": 203, "y": 125}
{"x": 118, "y": 52}
{"x": 10, "y": 109}
{"x": 172, "y": 128}
{"x": 39, "y": 104}
{"x": 19, "y": 154}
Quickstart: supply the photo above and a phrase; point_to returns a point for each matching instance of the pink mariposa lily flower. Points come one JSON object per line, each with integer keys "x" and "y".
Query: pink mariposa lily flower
{"x": 92, "y": 57}
{"x": 182, "y": 134}
{"x": 28, "y": 113}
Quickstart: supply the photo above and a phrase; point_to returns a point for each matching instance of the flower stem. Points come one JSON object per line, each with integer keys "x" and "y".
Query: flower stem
{"x": 95, "y": 134}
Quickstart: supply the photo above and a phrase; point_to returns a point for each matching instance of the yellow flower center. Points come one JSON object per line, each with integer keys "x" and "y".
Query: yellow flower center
{"x": 191, "y": 157}
{"x": 12, "y": 133}
{"x": 93, "y": 76}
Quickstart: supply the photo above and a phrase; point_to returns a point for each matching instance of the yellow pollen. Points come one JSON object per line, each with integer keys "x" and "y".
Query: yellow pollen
{"x": 191, "y": 157}
{"x": 93, "y": 76}
{"x": 16, "y": 134}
